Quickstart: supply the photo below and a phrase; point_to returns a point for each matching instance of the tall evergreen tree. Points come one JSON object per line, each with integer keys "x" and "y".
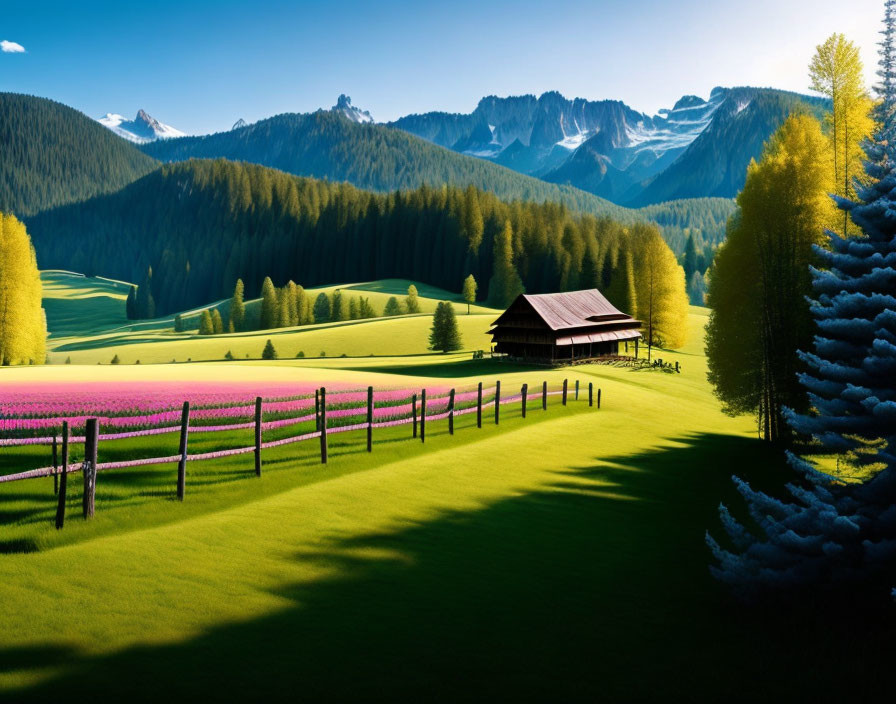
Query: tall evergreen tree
{"x": 690, "y": 258}
{"x": 238, "y": 307}
{"x": 145, "y": 303}
{"x": 621, "y": 292}
{"x": 841, "y": 527}
{"x": 505, "y": 284}
{"x": 412, "y": 302}
{"x": 130, "y": 304}
{"x": 269, "y": 352}
{"x": 217, "y": 322}
{"x": 206, "y": 326}
{"x": 270, "y": 311}
{"x": 590, "y": 277}
{"x": 322, "y": 310}
{"x": 444, "y": 335}
{"x": 353, "y": 311}
{"x": 393, "y": 307}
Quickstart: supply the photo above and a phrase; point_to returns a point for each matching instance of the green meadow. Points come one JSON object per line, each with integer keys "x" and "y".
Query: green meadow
{"x": 558, "y": 557}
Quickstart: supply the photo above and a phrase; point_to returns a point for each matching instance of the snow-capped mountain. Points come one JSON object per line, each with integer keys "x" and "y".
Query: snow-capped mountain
{"x": 142, "y": 129}
{"x": 608, "y": 148}
{"x": 344, "y": 105}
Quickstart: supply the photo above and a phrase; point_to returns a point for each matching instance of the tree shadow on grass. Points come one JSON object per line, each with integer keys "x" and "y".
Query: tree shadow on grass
{"x": 593, "y": 588}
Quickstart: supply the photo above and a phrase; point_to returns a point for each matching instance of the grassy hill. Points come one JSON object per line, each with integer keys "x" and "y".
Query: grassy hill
{"x": 87, "y": 323}
{"x": 559, "y": 557}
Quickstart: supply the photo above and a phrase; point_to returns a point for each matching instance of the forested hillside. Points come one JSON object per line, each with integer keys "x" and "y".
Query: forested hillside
{"x": 52, "y": 155}
{"x": 200, "y": 225}
{"x": 327, "y": 145}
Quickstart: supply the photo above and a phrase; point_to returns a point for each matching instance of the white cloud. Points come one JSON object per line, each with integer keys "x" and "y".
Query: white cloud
{"x": 8, "y": 47}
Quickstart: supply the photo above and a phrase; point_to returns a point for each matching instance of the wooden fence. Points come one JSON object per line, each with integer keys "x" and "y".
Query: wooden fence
{"x": 414, "y": 414}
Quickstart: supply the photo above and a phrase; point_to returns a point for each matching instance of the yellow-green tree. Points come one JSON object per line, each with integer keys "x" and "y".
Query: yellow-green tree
{"x": 23, "y": 327}
{"x": 761, "y": 277}
{"x": 661, "y": 302}
{"x": 836, "y": 71}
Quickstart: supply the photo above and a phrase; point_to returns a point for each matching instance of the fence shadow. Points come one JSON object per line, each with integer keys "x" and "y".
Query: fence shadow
{"x": 593, "y": 588}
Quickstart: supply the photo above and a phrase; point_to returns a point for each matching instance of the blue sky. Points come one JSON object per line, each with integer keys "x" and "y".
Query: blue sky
{"x": 201, "y": 65}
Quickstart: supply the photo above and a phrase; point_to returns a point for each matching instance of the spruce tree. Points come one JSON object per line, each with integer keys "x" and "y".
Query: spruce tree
{"x": 322, "y": 309}
{"x": 690, "y": 258}
{"x": 444, "y": 335}
{"x": 353, "y": 310}
{"x": 412, "y": 302}
{"x": 130, "y": 304}
{"x": 217, "y": 322}
{"x": 590, "y": 277}
{"x": 393, "y": 307}
{"x": 303, "y": 312}
{"x": 269, "y": 309}
{"x": 840, "y": 527}
{"x": 339, "y": 307}
{"x": 505, "y": 284}
{"x": 206, "y": 326}
{"x": 269, "y": 352}
{"x": 238, "y": 307}
{"x": 365, "y": 310}
{"x": 145, "y": 303}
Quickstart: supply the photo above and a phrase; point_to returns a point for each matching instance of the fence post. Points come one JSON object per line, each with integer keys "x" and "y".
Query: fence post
{"x": 182, "y": 463}
{"x": 497, "y": 401}
{"x": 479, "y": 406}
{"x": 423, "y": 416}
{"x": 55, "y": 467}
{"x": 414, "y": 413}
{"x": 370, "y": 419}
{"x": 544, "y": 395}
{"x": 258, "y": 436}
{"x": 565, "y": 390}
{"x": 577, "y": 389}
{"x": 676, "y": 368}
{"x": 323, "y": 425}
{"x": 91, "y": 440}
{"x": 525, "y": 395}
{"x": 598, "y": 399}
{"x": 317, "y": 409}
{"x": 63, "y": 480}
{"x": 590, "y": 393}
{"x": 451, "y": 413}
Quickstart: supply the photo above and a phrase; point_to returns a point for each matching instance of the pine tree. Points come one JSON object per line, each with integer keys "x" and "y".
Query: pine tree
{"x": 303, "y": 307}
{"x": 115, "y": 360}
{"x": 412, "y": 302}
{"x": 590, "y": 277}
{"x": 322, "y": 310}
{"x": 506, "y": 284}
{"x": 621, "y": 292}
{"x": 269, "y": 352}
{"x": 217, "y": 322}
{"x": 839, "y": 532}
{"x": 270, "y": 312}
{"x": 365, "y": 310}
{"x": 393, "y": 307}
{"x": 444, "y": 335}
{"x": 690, "y": 258}
{"x": 353, "y": 310}
{"x": 206, "y": 326}
{"x": 23, "y": 327}
{"x": 130, "y": 304}
{"x": 237, "y": 314}
{"x": 292, "y": 304}
{"x": 470, "y": 287}
{"x": 697, "y": 289}
{"x": 145, "y": 303}
{"x": 339, "y": 307}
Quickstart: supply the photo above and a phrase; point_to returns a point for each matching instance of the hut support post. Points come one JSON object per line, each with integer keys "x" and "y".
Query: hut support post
{"x": 497, "y": 402}
{"x": 590, "y": 393}
{"x": 414, "y": 413}
{"x": 598, "y": 399}
{"x": 577, "y": 389}
{"x": 525, "y": 396}
{"x": 544, "y": 395}
{"x": 565, "y": 390}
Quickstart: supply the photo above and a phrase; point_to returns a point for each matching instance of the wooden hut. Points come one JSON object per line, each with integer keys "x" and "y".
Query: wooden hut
{"x": 561, "y": 327}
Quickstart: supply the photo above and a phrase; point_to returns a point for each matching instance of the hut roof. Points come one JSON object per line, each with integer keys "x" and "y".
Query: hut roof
{"x": 573, "y": 309}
